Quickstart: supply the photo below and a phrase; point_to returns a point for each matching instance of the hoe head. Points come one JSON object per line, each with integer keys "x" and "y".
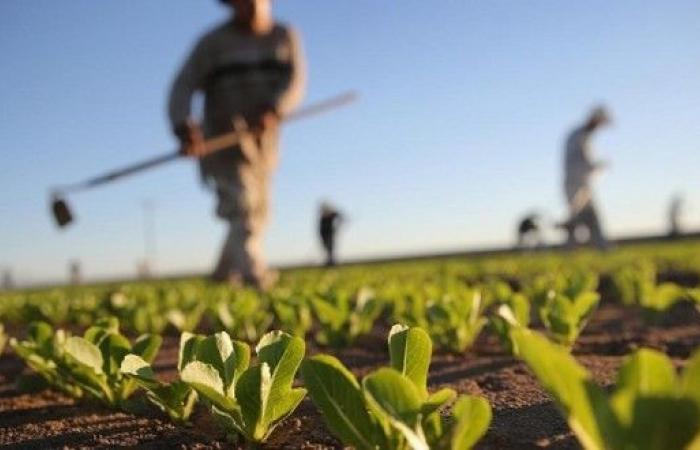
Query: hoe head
{"x": 61, "y": 211}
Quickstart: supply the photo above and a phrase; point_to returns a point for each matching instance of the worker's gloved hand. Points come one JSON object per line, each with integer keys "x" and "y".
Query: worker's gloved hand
{"x": 191, "y": 138}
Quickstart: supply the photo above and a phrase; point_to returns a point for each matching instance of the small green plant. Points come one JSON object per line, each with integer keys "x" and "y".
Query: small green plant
{"x": 565, "y": 317}
{"x": 392, "y": 408}
{"x": 292, "y": 314}
{"x": 568, "y": 284}
{"x": 636, "y": 285}
{"x": 513, "y": 309}
{"x": 244, "y": 316}
{"x": 456, "y": 320}
{"x": 177, "y": 399}
{"x": 250, "y": 401}
{"x": 650, "y": 408}
{"x": 342, "y": 319}
{"x": 94, "y": 360}
{"x": 43, "y": 351}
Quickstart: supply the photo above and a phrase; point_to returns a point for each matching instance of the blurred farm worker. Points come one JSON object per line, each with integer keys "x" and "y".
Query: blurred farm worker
{"x": 579, "y": 168}
{"x": 674, "y": 216}
{"x": 251, "y": 72}
{"x": 328, "y": 223}
{"x": 529, "y": 231}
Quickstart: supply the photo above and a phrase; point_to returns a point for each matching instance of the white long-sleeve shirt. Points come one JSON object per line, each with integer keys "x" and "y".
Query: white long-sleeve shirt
{"x": 578, "y": 169}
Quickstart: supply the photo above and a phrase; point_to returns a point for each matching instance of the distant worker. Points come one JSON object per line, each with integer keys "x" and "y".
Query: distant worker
{"x": 579, "y": 168}
{"x": 329, "y": 221}
{"x": 251, "y": 72}
{"x": 8, "y": 282}
{"x": 75, "y": 272}
{"x": 674, "y": 216}
{"x": 529, "y": 234}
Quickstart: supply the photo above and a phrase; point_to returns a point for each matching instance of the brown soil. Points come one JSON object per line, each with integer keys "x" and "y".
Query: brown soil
{"x": 524, "y": 416}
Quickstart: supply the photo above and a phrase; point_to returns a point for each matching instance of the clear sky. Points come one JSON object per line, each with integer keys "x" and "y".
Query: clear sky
{"x": 459, "y": 130}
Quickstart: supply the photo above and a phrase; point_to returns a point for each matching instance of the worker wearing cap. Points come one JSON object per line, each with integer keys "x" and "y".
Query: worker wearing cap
{"x": 251, "y": 72}
{"x": 579, "y": 168}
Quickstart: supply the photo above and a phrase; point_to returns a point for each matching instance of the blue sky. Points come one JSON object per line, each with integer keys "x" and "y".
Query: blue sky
{"x": 459, "y": 130}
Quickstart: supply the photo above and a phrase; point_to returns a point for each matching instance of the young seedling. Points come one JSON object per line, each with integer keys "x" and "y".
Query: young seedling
{"x": 456, "y": 320}
{"x": 565, "y": 317}
{"x": 392, "y": 407}
{"x": 651, "y": 408}
{"x": 515, "y": 310}
{"x": 245, "y": 316}
{"x": 43, "y": 351}
{"x": 292, "y": 314}
{"x": 341, "y": 320}
{"x": 176, "y": 399}
{"x": 636, "y": 285}
{"x": 93, "y": 360}
{"x": 250, "y": 401}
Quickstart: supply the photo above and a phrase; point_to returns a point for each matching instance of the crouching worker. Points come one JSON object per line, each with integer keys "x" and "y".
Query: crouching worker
{"x": 251, "y": 72}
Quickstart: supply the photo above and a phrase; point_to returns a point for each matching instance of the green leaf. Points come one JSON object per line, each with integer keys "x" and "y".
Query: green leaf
{"x": 690, "y": 380}
{"x": 218, "y": 352}
{"x": 84, "y": 353}
{"x": 336, "y": 393}
{"x": 134, "y": 366}
{"x": 472, "y": 419}
{"x": 146, "y": 346}
{"x": 580, "y": 400}
{"x": 410, "y": 350}
{"x": 114, "y": 347}
{"x": 394, "y": 394}
{"x": 437, "y": 400}
{"x": 645, "y": 373}
{"x": 41, "y": 333}
{"x": 662, "y": 423}
{"x": 189, "y": 344}
{"x": 204, "y": 378}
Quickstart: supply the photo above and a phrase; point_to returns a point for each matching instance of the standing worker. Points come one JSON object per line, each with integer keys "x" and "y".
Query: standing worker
{"x": 579, "y": 168}
{"x": 251, "y": 72}
{"x": 674, "y": 216}
{"x": 328, "y": 223}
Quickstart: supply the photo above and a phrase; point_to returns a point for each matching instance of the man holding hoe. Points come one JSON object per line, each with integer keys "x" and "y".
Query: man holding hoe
{"x": 251, "y": 72}
{"x": 579, "y": 169}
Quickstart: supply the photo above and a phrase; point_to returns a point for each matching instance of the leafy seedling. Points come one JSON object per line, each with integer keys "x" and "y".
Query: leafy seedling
{"x": 251, "y": 401}
{"x": 392, "y": 407}
{"x": 651, "y": 408}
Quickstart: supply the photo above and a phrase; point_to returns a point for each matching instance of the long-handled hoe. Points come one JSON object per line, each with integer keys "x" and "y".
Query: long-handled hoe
{"x": 62, "y": 212}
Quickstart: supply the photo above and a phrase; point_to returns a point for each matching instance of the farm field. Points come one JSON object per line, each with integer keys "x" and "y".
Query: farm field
{"x": 501, "y": 328}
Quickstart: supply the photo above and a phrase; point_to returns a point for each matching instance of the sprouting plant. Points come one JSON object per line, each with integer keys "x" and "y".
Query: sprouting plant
{"x": 455, "y": 321}
{"x": 636, "y": 284}
{"x": 243, "y": 314}
{"x": 292, "y": 314}
{"x": 251, "y": 401}
{"x": 565, "y": 317}
{"x": 93, "y": 360}
{"x": 342, "y": 319}
{"x": 177, "y": 399}
{"x": 568, "y": 284}
{"x": 392, "y": 407}
{"x": 651, "y": 408}
{"x": 43, "y": 351}
{"x": 514, "y": 308}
